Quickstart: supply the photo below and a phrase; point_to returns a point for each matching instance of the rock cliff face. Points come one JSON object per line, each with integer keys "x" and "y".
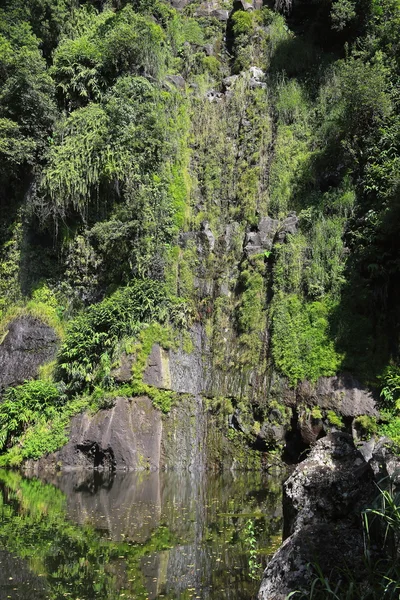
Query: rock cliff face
{"x": 133, "y": 435}
{"x": 27, "y": 344}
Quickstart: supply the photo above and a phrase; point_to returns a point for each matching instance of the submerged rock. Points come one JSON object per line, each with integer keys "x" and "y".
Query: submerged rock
{"x": 27, "y": 344}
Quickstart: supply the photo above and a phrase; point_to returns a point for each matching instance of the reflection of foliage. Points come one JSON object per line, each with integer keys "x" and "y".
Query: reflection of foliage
{"x": 70, "y": 557}
{"x": 81, "y": 562}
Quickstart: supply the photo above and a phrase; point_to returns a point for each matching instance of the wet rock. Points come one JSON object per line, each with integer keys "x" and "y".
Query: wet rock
{"x": 184, "y": 439}
{"x": 322, "y": 503}
{"x": 27, "y": 344}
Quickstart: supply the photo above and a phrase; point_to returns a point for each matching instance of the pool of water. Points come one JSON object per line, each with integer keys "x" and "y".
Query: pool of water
{"x": 141, "y": 536}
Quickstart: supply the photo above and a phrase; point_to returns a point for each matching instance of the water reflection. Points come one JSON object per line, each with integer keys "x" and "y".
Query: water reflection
{"x": 134, "y": 536}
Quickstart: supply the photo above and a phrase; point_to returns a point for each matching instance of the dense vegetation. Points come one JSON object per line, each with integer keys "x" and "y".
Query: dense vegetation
{"x": 129, "y": 131}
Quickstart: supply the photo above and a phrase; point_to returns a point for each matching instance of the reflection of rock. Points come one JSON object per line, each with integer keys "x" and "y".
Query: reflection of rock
{"x": 126, "y": 507}
{"x": 27, "y": 344}
{"x": 17, "y": 581}
{"x": 323, "y": 499}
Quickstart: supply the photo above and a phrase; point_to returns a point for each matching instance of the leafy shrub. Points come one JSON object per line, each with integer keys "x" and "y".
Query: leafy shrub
{"x": 334, "y": 419}
{"x": 301, "y": 347}
{"x": 366, "y": 426}
{"x": 96, "y": 332}
{"x": 24, "y": 405}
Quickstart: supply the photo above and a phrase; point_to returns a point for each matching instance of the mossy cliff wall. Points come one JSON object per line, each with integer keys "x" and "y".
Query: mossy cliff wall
{"x": 205, "y": 211}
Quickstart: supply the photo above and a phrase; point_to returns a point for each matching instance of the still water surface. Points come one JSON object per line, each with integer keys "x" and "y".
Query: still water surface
{"x": 136, "y": 536}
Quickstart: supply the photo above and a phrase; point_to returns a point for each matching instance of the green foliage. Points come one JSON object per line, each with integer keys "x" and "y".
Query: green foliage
{"x": 95, "y": 333}
{"x": 342, "y": 13}
{"x": 390, "y": 387}
{"x": 334, "y": 419}
{"x": 153, "y": 334}
{"x": 316, "y": 413}
{"x": 366, "y": 426}
{"x": 114, "y": 44}
{"x": 101, "y": 143}
{"x": 24, "y": 405}
{"x": 251, "y": 542}
{"x": 301, "y": 346}
{"x": 250, "y": 315}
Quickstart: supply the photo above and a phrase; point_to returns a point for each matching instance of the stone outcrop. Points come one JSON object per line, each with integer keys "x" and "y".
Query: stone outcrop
{"x": 342, "y": 393}
{"x": 322, "y": 505}
{"x": 125, "y": 437}
{"x": 26, "y": 344}
{"x": 268, "y": 231}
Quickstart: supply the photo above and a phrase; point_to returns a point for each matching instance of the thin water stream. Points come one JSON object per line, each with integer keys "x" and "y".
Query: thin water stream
{"x": 142, "y": 536}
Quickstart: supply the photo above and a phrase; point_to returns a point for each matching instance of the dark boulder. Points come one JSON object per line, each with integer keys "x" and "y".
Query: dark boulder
{"x": 26, "y": 344}
{"x": 322, "y": 505}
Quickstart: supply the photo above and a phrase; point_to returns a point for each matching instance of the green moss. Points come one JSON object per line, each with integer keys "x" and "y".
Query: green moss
{"x": 316, "y": 413}
{"x": 166, "y": 338}
{"x": 366, "y": 426}
{"x": 334, "y": 419}
{"x": 44, "y": 305}
{"x": 301, "y": 345}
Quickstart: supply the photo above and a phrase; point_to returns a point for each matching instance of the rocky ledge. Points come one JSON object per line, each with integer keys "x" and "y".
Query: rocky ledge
{"x": 322, "y": 504}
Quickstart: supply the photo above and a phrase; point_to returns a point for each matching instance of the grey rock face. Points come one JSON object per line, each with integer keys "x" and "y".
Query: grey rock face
{"x": 208, "y": 235}
{"x": 322, "y": 502}
{"x": 125, "y": 437}
{"x": 28, "y": 344}
{"x": 263, "y": 238}
{"x": 177, "y": 370}
{"x": 177, "y": 80}
{"x": 132, "y": 436}
{"x": 342, "y": 393}
{"x": 210, "y": 9}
